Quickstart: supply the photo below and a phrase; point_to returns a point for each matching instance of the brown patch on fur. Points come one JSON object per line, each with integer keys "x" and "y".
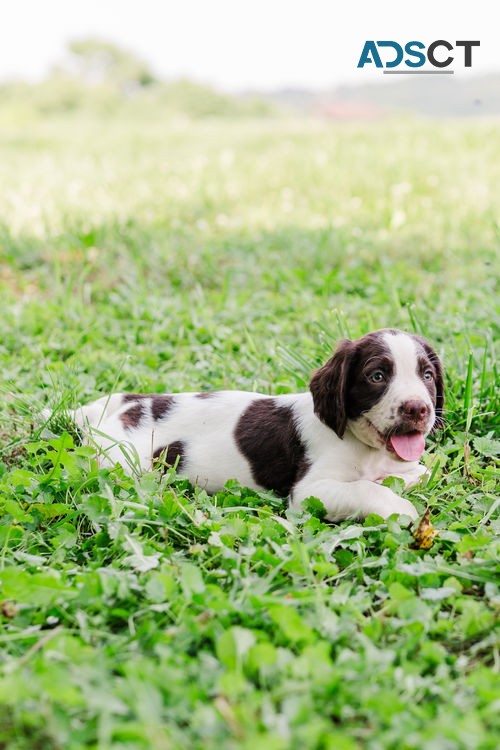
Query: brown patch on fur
{"x": 328, "y": 387}
{"x": 268, "y": 438}
{"x": 371, "y": 355}
{"x": 430, "y": 360}
{"x": 205, "y": 394}
{"x": 132, "y": 417}
{"x": 160, "y": 406}
{"x": 168, "y": 454}
{"x": 341, "y": 389}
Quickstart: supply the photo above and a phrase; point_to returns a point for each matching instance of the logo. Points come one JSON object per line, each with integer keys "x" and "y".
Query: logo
{"x": 412, "y": 58}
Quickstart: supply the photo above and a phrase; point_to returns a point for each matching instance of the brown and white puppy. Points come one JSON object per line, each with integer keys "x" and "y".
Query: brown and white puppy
{"x": 364, "y": 418}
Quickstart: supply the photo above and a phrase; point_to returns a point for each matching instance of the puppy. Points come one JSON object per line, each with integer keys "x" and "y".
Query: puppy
{"x": 364, "y": 418}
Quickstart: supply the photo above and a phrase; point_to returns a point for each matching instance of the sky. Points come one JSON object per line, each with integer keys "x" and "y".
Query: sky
{"x": 242, "y": 44}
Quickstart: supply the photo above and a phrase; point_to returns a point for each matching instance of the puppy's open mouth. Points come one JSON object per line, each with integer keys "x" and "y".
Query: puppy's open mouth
{"x": 407, "y": 447}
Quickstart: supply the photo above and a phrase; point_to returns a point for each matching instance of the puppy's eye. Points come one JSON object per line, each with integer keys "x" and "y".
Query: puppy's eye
{"x": 428, "y": 375}
{"x": 377, "y": 377}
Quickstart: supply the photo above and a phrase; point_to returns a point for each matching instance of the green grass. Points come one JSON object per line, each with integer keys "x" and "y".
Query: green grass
{"x": 138, "y": 613}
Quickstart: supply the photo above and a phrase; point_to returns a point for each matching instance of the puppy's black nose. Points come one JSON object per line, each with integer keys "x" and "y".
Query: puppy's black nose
{"x": 415, "y": 410}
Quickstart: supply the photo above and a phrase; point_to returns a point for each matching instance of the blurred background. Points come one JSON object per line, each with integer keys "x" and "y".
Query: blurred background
{"x": 188, "y": 183}
{"x": 229, "y": 58}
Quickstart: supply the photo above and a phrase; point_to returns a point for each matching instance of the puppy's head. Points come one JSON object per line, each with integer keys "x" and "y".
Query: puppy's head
{"x": 387, "y": 387}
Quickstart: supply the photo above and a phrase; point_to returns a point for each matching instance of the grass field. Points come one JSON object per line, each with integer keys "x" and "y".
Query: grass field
{"x": 146, "y": 615}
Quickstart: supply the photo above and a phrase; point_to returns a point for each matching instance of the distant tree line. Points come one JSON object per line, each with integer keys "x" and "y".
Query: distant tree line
{"x": 100, "y": 77}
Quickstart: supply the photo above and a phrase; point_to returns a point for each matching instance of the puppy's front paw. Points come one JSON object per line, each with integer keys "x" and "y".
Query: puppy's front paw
{"x": 386, "y": 503}
{"x": 401, "y": 506}
{"x": 419, "y": 474}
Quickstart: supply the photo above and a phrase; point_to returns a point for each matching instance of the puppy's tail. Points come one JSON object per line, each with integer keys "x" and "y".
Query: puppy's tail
{"x": 90, "y": 415}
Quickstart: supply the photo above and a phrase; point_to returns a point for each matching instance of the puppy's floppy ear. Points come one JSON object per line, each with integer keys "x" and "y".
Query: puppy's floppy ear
{"x": 329, "y": 388}
{"x": 438, "y": 370}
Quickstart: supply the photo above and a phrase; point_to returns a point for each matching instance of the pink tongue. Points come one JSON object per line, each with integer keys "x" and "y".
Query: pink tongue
{"x": 409, "y": 447}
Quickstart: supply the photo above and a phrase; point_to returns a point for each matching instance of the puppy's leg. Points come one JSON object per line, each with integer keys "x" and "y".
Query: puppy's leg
{"x": 343, "y": 500}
